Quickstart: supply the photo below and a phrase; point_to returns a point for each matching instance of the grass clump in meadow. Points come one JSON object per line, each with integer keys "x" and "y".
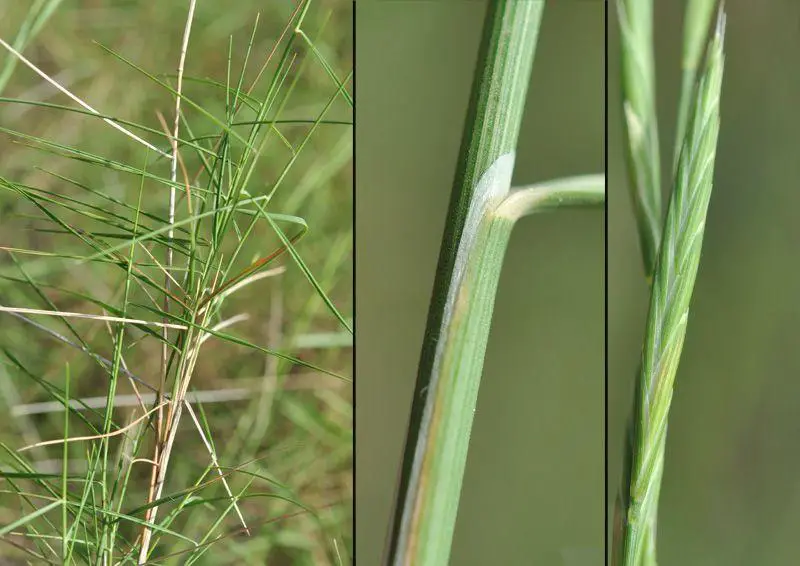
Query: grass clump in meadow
{"x": 175, "y": 275}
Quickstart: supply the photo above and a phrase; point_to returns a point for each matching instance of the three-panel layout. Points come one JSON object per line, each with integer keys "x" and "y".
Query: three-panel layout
{"x": 399, "y": 282}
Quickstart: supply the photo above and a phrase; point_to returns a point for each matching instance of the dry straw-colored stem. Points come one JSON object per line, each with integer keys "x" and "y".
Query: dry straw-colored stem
{"x": 162, "y": 458}
{"x": 94, "y": 436}
{"x": 98, "y": 317}
{"x": 64, "y": 90}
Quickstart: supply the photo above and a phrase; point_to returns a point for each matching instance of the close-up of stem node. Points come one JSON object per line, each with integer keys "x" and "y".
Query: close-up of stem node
{"x": 483, "y": 211}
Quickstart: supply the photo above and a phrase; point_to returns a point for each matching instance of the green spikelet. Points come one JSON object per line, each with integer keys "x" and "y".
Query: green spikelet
{"x": 674, "y": 278}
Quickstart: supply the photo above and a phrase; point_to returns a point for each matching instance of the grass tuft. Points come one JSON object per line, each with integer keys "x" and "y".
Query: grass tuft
{"x": 171, "y": 271}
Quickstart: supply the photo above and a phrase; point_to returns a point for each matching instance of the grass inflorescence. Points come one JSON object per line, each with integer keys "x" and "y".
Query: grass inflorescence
{"x": 674, "y": 272}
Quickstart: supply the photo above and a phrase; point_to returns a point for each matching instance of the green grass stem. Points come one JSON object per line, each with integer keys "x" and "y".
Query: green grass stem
{"x": 640, "y": 123}
{"x": 430, "y": 487}
{"x": 483, "y": 210}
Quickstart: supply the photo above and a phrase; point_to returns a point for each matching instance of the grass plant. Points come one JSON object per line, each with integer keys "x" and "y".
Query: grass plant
{"x": 150, "y": 265}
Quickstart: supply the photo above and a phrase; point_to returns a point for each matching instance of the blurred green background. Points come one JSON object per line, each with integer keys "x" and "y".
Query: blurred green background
{"x": 306, "y": 440}
{"x": 533, "y": 492}
{"x": 731, "y": 491}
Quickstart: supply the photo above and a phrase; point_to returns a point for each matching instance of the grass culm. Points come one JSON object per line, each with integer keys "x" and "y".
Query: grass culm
{"x": 483, "y": 211}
